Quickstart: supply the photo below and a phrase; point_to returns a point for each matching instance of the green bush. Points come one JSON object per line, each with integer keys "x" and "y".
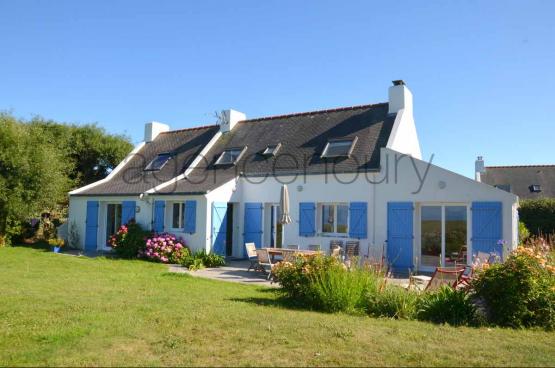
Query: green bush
{"x": 447, "y": 305}
{"x": 338, "y": 289}
{"x": 392, "y": 302}
{"x": 200, "y": 259}
{"x": 538, "y": 215}
{"x": 521, "y": 291}
{"x": 523, "y": 232}
{"x": 129, "y": 241}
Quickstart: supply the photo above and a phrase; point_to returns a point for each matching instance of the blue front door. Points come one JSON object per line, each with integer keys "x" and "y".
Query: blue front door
{"x": 253, "y": 224}
{"x": 400, "y": 235}
{"x": 91, "y": 232}
{"x": 219, "y": 227}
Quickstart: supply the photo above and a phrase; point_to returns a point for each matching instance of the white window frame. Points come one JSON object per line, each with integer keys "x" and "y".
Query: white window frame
{"x": 241, "y": 152}
{"x": 181, "y": 219}
{"x": 271, "y": 149}
{"x": 418, "y": 236}
{"x": 106, "y": 217}
{"x": 147, "y": 167}
{"x": 321, "y": 214}
{"x": 331, "y": 141}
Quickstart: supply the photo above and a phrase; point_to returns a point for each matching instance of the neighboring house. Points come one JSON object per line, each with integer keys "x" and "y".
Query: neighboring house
{"x": 525, "y": 181}
{"x": 353, "y": 173}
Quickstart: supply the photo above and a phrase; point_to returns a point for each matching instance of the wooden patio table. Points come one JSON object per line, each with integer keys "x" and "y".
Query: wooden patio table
{"x": 280, "y": 251}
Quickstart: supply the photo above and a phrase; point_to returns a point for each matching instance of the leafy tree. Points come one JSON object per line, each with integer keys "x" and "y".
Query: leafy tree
{"x": 41, "y": 160}
{"x": 33, "y": 175}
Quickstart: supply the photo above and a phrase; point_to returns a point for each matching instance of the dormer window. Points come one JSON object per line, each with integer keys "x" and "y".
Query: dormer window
{"x": 158, "y": 162}
{"x": 339, "y": 148}
{"x": 230, "y": 156}
{"x": 271, "y": 150}
{"x": 535, "y": 188}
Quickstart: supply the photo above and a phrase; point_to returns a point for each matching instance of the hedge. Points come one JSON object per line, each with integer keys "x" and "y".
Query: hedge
{"x": 538, "y": 215}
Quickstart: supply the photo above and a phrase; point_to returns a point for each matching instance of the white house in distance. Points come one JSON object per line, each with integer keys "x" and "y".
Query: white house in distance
{"x": 353, "y": 173}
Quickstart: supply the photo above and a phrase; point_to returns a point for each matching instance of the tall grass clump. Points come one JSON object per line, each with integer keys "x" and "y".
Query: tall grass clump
{"x": 392, "y": 302}
{"x": 447, "y": 305}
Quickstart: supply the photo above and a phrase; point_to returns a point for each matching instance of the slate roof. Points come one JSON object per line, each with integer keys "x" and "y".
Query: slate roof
{"x": 184, "y": 145}
{"x": 520, "y": 178}
{"x": 303, "y": 137}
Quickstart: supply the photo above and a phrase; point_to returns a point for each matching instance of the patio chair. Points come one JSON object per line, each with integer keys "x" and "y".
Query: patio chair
{"x": 293, "y": 246}
{"x": 336, "y": 252}
{"x": 251, "y": 254}
{"x": 444, "y": 276}
{"x": 288, "y": 255}
{"x": 314, "y": 247}
{"x": 335, "y": 244}
{"x": 264, "y": 260}
{"x": 352, "y": 249}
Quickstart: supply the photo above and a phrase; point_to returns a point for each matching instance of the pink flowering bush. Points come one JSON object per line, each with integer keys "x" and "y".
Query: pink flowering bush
{"x": 129, "y": 240}
{"x": 165, "y": 248}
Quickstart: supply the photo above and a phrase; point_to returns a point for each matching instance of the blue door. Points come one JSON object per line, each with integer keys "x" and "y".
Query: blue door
{"x": 91, "y": 230}
{"x": 219, "y": 227}
{"x": 487, "y": 227}
{"x": 400, "y": 235}
{"x": 159, "y": 209}
{"x": 253, "y": 224}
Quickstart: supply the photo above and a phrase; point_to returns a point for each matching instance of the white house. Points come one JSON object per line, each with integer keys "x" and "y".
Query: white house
{"x": 353, "y": 173}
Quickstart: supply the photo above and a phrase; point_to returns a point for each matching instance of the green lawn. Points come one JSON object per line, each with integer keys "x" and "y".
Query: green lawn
{"x": 63, "y": 310}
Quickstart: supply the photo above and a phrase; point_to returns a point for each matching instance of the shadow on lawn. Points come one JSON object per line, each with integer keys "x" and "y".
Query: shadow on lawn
{"x": 277, "y": 301}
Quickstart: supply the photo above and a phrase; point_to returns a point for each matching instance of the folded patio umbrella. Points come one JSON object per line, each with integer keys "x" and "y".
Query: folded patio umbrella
{"x": 284, "y": 206}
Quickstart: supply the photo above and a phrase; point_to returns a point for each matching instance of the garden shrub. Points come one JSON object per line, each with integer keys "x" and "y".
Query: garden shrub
{"x": 165, "y": 248}
{"x": 201, "y": 259}
{"x": 128, "y": 241}
{"x": 338, "y": 289}
{"x": 538, "y": 215}
{"x": 392, "y": 302}
{"x": 521, "y": 291}
{"x": 523, "y": 232}
{"x": 447, "y": 305}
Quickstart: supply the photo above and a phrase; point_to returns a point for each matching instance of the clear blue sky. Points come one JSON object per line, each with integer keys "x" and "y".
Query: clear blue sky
{"x": 482, "y": 72}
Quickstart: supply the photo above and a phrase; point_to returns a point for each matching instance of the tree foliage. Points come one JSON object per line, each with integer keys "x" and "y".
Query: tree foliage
{"x": 40, "y": 161}
{"x": 538, "y": 215}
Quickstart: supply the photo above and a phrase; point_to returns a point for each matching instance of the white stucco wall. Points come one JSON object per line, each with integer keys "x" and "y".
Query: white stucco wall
{"x": 78, "y": 215}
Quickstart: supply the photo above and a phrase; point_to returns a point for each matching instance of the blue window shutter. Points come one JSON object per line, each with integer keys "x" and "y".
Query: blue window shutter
{"x": 190, "y": 216}
{"x": 487, "y": 227}
{"x": 219, "y": 227}
{"x": 358, "y": 220}
{"x": 307, "y": 219}
{"x": 127, "y": 211}
{"x": 91, "y": 229}
{"x": 253, "y": 224}
{"x": 400, "y": 235}
{"x": 159, "y": 209}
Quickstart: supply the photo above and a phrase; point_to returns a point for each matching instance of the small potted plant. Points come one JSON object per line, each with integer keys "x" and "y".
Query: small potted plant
{"x": 57, "y": 244}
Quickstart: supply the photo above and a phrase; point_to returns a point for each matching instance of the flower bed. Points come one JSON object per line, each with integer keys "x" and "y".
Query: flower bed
{"x": 165, "y": 248}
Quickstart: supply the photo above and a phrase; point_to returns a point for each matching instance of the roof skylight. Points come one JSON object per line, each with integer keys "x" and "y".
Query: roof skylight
{"x": 158, "y": 162}
{"x": 535, "y": 188}
{"x": 230, "y": 156}
{"x": 271, "y": 150}
{"x": 339, "y": 148}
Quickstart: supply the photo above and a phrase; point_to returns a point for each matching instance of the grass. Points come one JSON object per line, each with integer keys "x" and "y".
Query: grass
{"x": 63, "y": 310}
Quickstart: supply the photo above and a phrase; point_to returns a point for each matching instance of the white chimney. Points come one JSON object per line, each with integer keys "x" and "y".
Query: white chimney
{"x": 479, "y": 168}
{"x": 400, "y": 97}
{"x": 154, "y": 128}
{"x": 229, "y": 118}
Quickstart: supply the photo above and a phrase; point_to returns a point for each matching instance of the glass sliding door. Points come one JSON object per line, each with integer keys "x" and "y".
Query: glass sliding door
{"x": 455, "y": 235}
{"x": 443, "y": 235}
{"x": 430, "y": 236}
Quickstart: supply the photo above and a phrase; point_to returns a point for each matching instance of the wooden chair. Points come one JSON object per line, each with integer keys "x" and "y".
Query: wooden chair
{"x": 314, "y": 247}
{"x": 251, "y": 254}
{"x": 293, "y": 246}
{"x": 336, "y": 252}
{"x": 352, "y": 249}
{"x": 264, "y": 260}
{"x": 444, "y": 276}
{"x": 288, "y": 255}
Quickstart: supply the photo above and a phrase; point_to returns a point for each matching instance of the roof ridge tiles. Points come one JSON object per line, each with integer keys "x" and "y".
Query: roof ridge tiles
{"x": 512, "y": 166}
{"x": 192, "y": 128}
{"x": 324, "y": 111}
